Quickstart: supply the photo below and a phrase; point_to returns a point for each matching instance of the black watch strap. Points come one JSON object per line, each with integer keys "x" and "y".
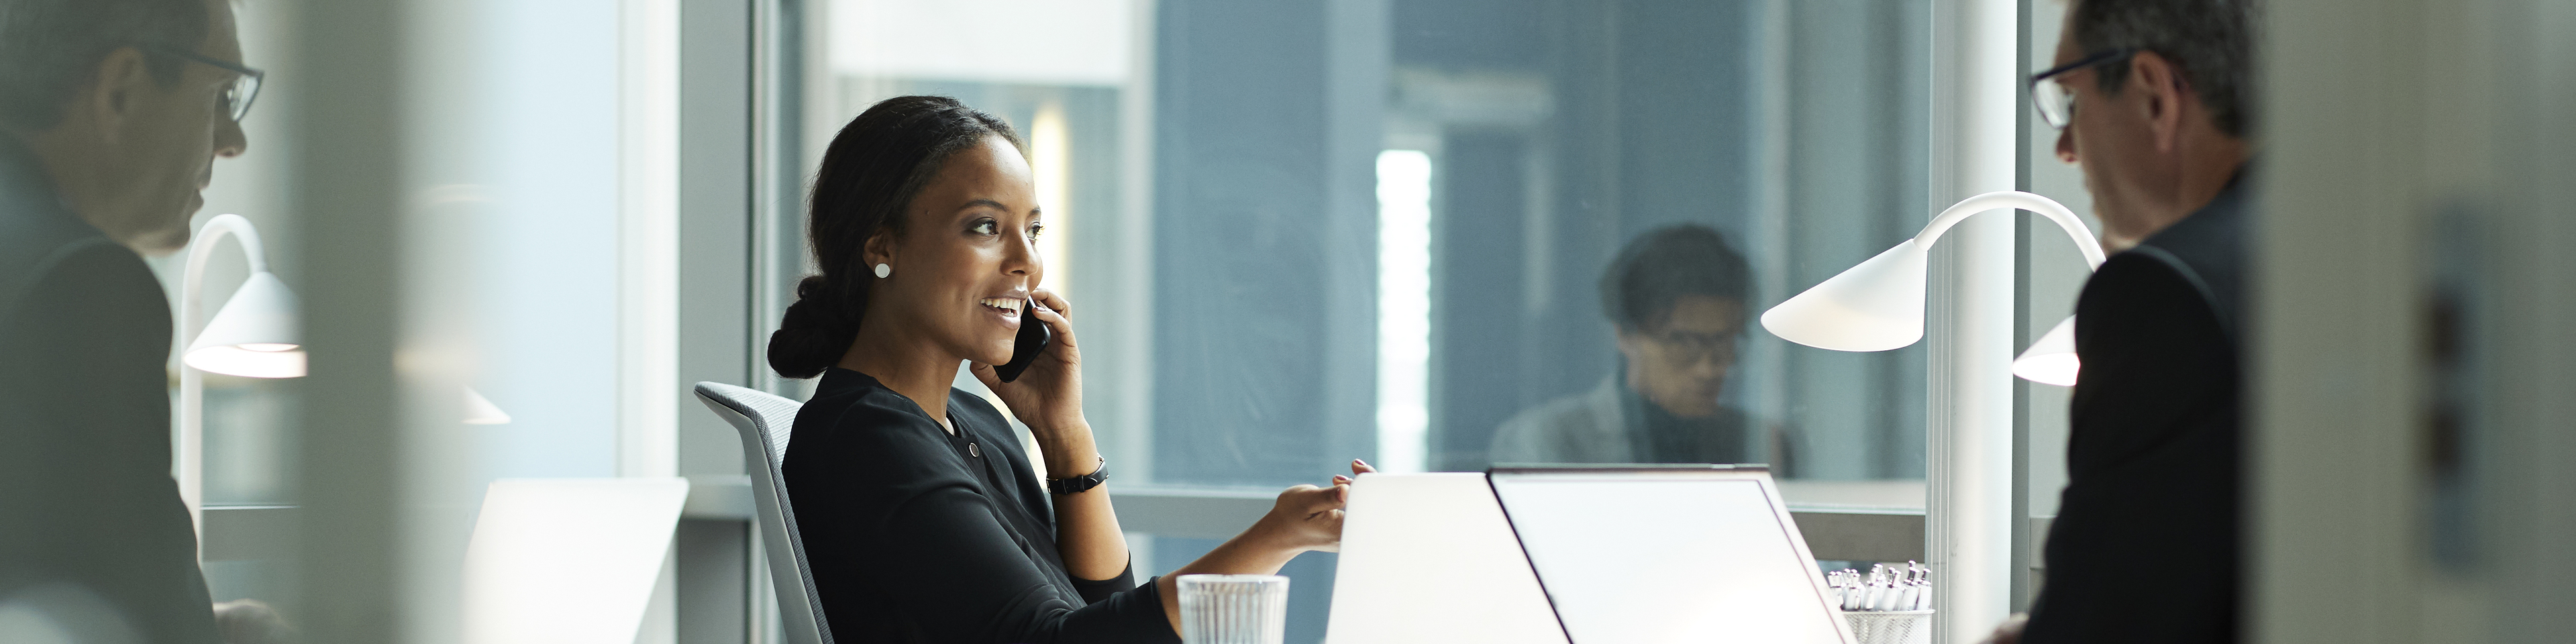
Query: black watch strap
{"x": 1080, "y": 484}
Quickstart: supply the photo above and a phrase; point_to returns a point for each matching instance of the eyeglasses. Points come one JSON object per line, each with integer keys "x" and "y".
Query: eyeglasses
{"x": 2056, "y": 103}
{"x": 236, "y": 99}
{"x": 1694, "y": 346}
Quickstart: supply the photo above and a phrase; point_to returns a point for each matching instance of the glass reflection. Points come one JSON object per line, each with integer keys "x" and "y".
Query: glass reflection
{"x": 1305, "y": 230}
{"x": 1675, "y": 297}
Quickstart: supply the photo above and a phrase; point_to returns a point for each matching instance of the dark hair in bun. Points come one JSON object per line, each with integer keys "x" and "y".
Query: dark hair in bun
{"x": 868, "y": 177}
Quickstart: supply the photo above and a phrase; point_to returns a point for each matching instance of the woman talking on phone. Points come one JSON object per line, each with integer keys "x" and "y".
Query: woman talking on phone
{"x": 922, "y": 519}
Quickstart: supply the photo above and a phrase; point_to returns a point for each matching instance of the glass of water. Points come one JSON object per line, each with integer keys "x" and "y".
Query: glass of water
{"x": 1234, "y": 609}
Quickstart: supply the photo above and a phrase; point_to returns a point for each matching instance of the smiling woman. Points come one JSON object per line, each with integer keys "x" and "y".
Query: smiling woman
{"x": 921, "y": 515}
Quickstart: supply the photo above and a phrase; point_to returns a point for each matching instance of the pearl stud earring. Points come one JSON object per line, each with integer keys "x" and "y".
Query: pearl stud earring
{"x": 883, "y": 270}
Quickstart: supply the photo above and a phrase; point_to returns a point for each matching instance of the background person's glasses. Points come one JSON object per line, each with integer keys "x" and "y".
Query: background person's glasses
{"x": 237, "y": 98}
{"x": 2056, "y": 102}
{"x": 1694, "y": 346}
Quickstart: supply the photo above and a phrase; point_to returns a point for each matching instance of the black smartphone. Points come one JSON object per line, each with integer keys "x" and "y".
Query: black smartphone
{"x": 1031, "y": 342}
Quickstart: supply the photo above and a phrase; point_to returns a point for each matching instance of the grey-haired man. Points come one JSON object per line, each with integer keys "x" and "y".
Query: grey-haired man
{"x": 2153, "y": 100}
{"x": 111, "y": 115}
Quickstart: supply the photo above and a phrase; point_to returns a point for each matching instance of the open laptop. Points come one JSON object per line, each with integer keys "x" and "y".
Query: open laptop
{"x": 1429, "y": 558}
{"x": 1590, "y": 555}
{"x": 1646, "y": 555}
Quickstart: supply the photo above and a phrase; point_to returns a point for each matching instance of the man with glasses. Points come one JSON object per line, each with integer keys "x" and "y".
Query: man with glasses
{"x": 1676, "y": 301}
{"x": 2152, "y": 99}
{"x": 111, "y": 115}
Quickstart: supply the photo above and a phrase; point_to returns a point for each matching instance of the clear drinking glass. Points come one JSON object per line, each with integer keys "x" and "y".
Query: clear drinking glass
{"x": 1234, "y": 609}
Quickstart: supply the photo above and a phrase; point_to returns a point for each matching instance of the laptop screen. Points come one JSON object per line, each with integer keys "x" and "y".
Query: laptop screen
{"x": 1653, "y": 555}
{"x": 1428, "y": 558}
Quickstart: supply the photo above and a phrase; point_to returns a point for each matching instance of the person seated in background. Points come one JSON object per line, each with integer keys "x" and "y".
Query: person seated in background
{"x": 922, "y": 519}
{"x": 1675, "y": 297}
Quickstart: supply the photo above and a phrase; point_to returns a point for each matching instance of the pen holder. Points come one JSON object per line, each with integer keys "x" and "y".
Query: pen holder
{"x": 1890, "y": 626}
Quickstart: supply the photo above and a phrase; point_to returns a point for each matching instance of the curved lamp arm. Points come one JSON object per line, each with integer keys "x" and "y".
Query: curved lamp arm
{"x": 2046, "y": 207}
{"x": 189, "y": 465}
{"x": 2051, "y": 359}
{"x": 192, "y": 282}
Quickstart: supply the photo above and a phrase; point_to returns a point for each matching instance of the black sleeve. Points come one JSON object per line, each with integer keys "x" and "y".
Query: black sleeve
{"x": 85, "y": 449}
{"x": 1006, "y": 445}
{"x": 2144, "y": 548}
{"x": 975, "y": 584}
{"x": 901, "y": 540}
{"x": 1097, "y": 590}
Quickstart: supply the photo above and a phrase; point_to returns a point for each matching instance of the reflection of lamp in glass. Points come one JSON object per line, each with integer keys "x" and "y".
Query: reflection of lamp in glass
{"x": 253, "y": 335}
{"x": 480, "y": 410}
{"x": 1878, "y": 305}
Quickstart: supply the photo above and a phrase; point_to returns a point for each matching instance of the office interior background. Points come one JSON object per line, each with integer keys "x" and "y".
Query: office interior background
{"x": 1301, "y": 232}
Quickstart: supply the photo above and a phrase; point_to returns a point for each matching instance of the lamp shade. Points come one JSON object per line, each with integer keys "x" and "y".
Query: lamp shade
{"x": 1875, "y": 306}
{"x": 253, "y": 335}
{"x": 2051, "y": 360}
{"x": 480, "y": 410}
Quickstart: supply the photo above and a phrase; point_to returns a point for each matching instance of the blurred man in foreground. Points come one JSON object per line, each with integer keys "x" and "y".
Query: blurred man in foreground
{"x": 111, "y": 115}
{"x": 2153, "y": 99}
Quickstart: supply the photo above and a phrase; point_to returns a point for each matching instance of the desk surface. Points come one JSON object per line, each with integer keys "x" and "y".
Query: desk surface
{"x": 1842, "y": 520}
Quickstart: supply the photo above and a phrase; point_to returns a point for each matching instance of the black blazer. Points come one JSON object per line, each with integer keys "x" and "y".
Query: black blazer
{"x": 87, "y": 506}
{"x": 917, "y": 536}
{"x": 2145, "y": 546}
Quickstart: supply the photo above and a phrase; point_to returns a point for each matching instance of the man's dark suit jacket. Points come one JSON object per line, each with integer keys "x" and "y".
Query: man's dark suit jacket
{"x": 92, "y": 532}
{"x": 2145, "y": 548}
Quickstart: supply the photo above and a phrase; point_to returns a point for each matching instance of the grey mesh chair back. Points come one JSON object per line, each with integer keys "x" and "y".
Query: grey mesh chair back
{"x": 765, "y": 421}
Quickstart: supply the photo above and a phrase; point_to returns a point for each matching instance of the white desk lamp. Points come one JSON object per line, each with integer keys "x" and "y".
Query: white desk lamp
{"x": 253, "y": 335}
{"x": 1878, "y": 305}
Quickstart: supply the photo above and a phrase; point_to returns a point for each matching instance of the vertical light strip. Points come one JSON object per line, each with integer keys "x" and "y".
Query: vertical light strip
{"x": 648, "y": 244}
{"x": 648, "y": 268}
{"x": 1049, "y": 156}
{"x": 1121, "y": 308}
{"x": 1969, "y": 322}
{"x": 1766, "y": 376}
{"x": 1403, "y": 309}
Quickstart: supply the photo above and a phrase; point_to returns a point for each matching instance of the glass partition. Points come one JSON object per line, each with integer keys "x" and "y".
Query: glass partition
{"x": 1386, "y": 230}
{"x": 1299, "y": 233}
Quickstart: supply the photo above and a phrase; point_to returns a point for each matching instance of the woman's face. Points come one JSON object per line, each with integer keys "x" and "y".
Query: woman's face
{"x": 967, "y": 258}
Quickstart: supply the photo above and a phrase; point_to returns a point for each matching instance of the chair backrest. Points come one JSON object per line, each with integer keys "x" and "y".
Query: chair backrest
{"x": 765, "y": 421}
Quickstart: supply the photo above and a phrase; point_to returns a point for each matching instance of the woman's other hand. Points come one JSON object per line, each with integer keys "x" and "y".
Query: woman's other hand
{"x": 1048, "y": 396}
{"x": 1307, "y": 517}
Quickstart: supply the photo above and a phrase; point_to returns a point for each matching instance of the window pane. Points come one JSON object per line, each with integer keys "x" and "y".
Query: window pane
{"x": 1299, "y": 233}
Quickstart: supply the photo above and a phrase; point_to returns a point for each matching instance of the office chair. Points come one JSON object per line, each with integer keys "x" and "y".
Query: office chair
{"x": 764, "y": 421}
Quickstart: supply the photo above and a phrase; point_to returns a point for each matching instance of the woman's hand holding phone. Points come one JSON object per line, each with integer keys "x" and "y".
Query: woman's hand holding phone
{"x": 1048, "y": 396}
